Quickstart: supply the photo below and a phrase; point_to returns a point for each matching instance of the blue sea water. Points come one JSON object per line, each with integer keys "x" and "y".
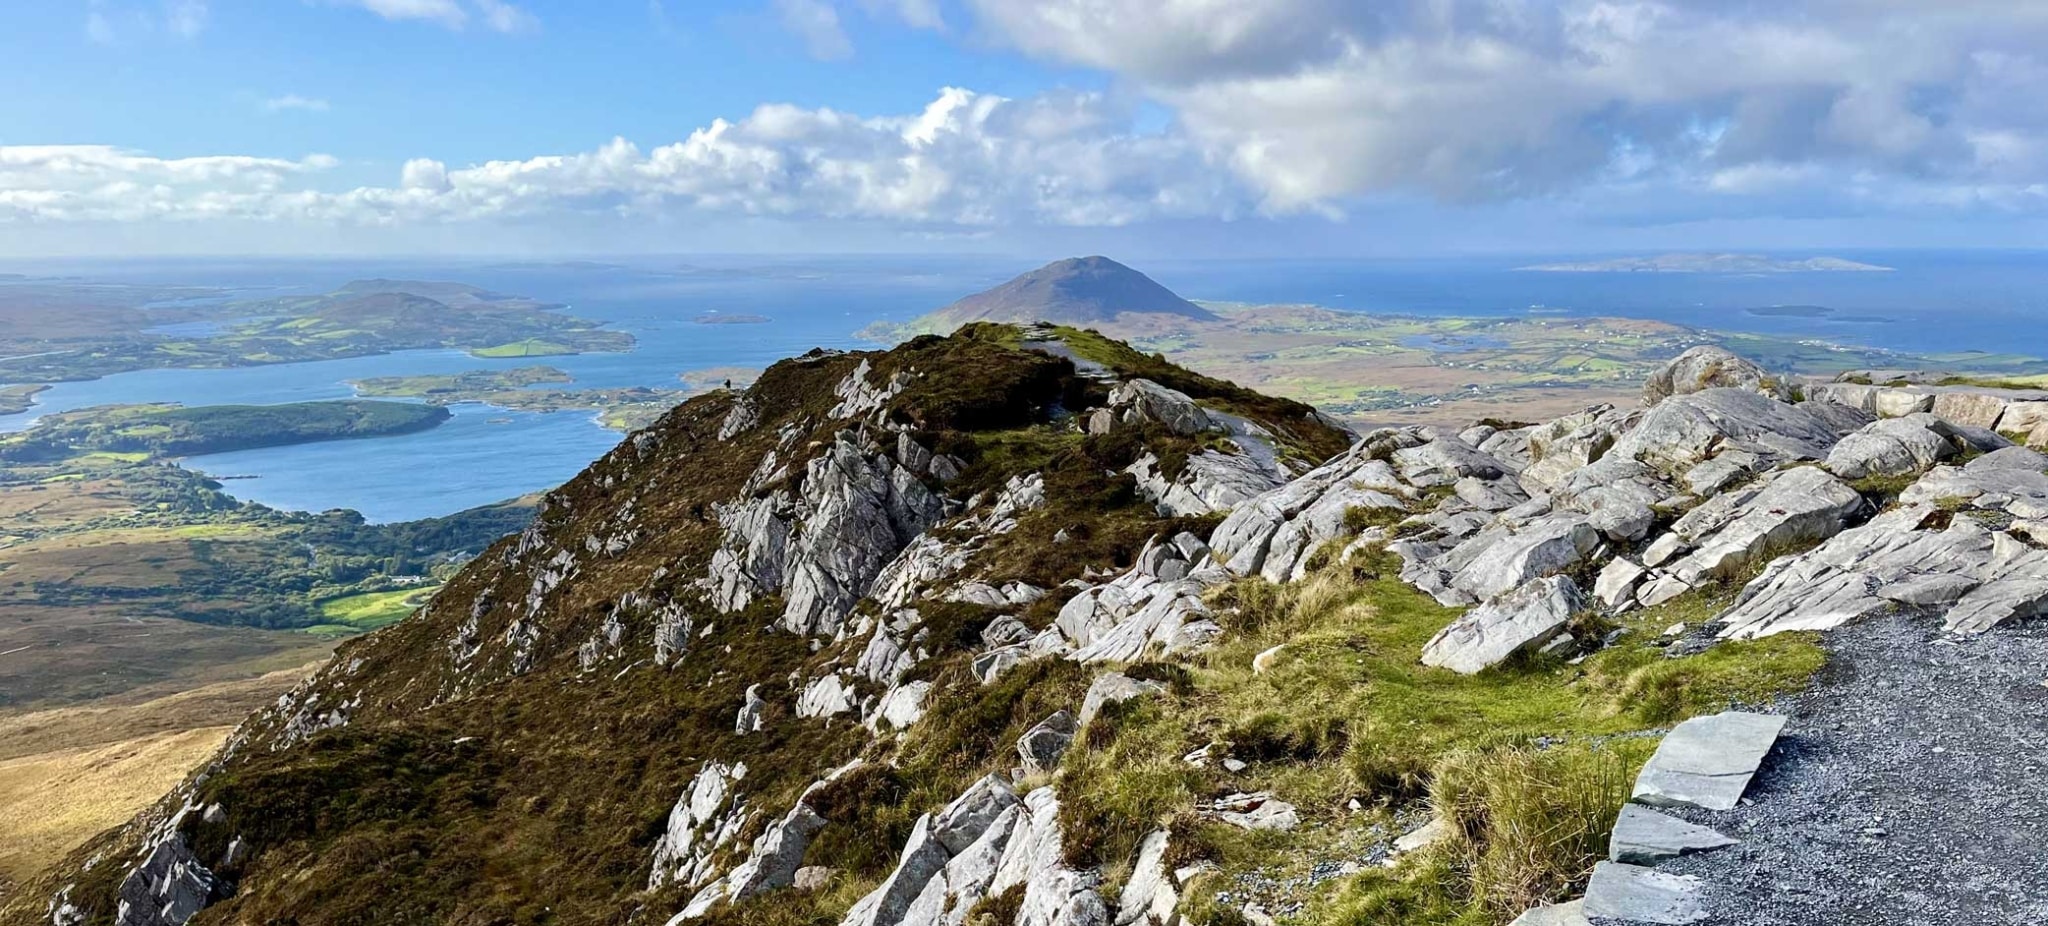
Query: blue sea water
{"x": 1932, "y": 303}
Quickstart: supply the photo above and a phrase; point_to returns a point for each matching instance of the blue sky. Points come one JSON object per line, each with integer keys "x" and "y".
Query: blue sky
{"x": 1139, "y": 127}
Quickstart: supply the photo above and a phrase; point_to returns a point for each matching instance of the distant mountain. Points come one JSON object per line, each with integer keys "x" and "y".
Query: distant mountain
{"x": 1076, "y": 291}
{"x": 1711, "y": 263}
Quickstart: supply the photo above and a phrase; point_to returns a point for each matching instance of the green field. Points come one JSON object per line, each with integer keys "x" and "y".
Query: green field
{"x": 531, "y": 347}
{"x": 368, "y": 611}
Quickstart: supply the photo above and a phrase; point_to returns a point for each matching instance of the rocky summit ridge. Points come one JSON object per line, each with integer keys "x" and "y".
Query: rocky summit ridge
{"x": 928, "y": 636}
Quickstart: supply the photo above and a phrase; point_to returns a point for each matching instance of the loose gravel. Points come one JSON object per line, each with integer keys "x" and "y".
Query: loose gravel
{"x": 1908, "y": 789}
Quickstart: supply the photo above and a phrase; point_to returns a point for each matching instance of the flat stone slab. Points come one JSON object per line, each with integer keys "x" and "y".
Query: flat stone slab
{"x": 1641, "y": 895}
{"x": 1707, "y": 762}
{"x": 1569, "y": 913}
{"x": 1645, "y": 837}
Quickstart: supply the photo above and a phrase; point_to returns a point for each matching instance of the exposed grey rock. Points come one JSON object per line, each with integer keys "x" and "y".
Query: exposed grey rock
{"x": 813, "y": 877}
{"x": 900, "y": 707}
{"x": 858, "y": 396}
{"x": 1111, "y": 688}
{"x": 826, "y": 696}
{"x": 824, "y": 549}
{"x": 741, "y": 418}
{"x": 1860, "y": 571}
{"x": 1784, "y": 509}
{"x": 1633, "y": 894}
{"x": 1683, "y": 431}
{"x": 1490, "y": 494}
{"x": 1443, "y": 462}
{"x": 1839, "y": 418}
{"x": 922, "y": 857}
{"x": 1149, "y": 897}
{"x": 1141, "y": 400}
{"x": 702, "y": 821}
{"x": 1707, "y": 761}
{"x": 1998, "y": 601}
{"x": 1424, "y": 836}
{"x": 1569, "y": 913}
{"x": 749, "y": 720}
{"x": 1617, "y": 582}
{"x": 1273, "y": 535}
{"x": 1710, "y": 367}
{"x": 1209, "y": 482}
{"x": 1645, "y": 837}
{"x": 1041, "y": 747}
{"x": 1513, "y": 557}
{"x": 1054, "y": 894}
{"x": 168, "y": 888}
{"x": 1519, "y": 620}
{"x": 1894, "y": 447}
{"x": 1256, "y": 811}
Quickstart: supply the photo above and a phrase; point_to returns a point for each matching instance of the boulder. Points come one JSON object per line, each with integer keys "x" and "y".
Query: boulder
{"x": 1111, "y": 688}
{"x": 813, "y": 877}
{"x": 1849, "y": 577}
{"x": 1569, "y": 913}
{"x": 1514, "y": 557}
{"x": 1645, "y": 837}
{"x": 1633, "y": 894}
{"x": 1707, "y": 762}
{"x": 1519, "y": 620}
{"x": 1894, "y": 447}
{"x": 1041, "y": 747}
{"x": 1149, "y": 897}
{"x": 1709, "y": 367}
{"x": 1969, "y": 409}
{"x": 1142, "y": 400}
{"x": 1617, "y": 582}
{"x": 1788, "y": 508}
{"x": 749, "y": 720}
{"x": 1683, "y": 431}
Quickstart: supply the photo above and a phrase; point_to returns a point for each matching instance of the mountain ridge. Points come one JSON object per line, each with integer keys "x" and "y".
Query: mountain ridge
{"x": 962, "y": 632}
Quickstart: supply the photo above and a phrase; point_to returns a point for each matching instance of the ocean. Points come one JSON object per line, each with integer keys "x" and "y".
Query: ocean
{"x": 1932, "y": 303}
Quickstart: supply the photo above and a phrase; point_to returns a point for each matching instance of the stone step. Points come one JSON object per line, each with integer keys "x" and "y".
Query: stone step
{"x": 1633, "y": 894}
{"x": 1645, "y": 837}
{"x": 1707, "y": 762}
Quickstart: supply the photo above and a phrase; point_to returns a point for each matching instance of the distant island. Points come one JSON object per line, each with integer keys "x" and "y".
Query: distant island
{"x": 1710, "y": 263}
{"x": 169, "y": 430}
{"x": 46, "y": 338}
{"x": 714, "y": 318}
{"x": 623, "y": 408}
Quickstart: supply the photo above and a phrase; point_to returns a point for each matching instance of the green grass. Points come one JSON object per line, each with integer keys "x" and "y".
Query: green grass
{"x": 1347, "y": 712}
{"x": 369, "y": 610}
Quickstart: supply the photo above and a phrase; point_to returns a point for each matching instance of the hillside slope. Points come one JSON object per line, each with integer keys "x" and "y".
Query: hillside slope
{"x": 1023, "y": 627}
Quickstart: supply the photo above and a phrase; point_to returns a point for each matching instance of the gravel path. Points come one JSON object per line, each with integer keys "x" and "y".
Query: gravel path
{"x": 1911, "y": 787}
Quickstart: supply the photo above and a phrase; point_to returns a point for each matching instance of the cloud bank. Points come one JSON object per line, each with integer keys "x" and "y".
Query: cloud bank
{"x": 1625, "y": 111}
{"x": 966, "y": 159}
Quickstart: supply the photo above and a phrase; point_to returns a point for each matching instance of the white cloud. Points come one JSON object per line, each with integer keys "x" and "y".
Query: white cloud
{"x": 109, "y": 23}
{"x": 185, "y": 18}
{"x": 965, "y": 161}
{"x": 1317, "y": 102}
{"x": 293, "y": 101}
{"x": 816, "y": 22}
{"x": 497, "y": 15}
{"x": 504, "y": 17}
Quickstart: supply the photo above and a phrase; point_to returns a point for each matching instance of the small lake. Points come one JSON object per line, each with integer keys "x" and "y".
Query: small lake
{"x": 480, "y": 456}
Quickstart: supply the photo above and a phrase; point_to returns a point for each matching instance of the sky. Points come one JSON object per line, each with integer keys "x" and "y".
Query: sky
{"x": 1170, "y": 128}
